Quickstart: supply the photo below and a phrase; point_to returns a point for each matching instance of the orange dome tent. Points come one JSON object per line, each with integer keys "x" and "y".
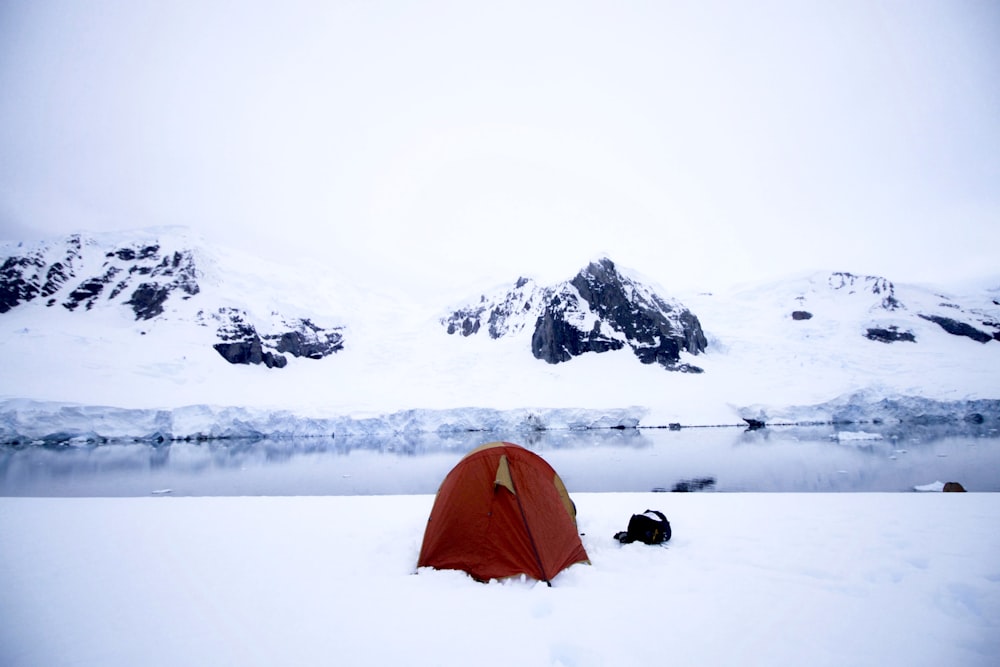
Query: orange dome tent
{"x": 500, "y": 512}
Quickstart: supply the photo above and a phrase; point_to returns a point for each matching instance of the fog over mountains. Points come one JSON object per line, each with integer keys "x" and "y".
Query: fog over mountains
{"x": 156, "y": 320}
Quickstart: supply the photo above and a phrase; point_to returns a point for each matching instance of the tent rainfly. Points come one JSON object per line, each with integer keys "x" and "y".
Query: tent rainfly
{"x": 502, "y": 511}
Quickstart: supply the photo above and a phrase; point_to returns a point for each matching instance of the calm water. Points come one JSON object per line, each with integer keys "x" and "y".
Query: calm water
{"x": 709, "y": 459}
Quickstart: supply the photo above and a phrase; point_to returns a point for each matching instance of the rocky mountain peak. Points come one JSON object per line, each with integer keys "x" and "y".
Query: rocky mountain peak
{"x": 598, "y": 310}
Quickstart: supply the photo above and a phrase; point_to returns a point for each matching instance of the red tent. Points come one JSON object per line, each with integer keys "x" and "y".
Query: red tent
{"x": 500, "y": 512}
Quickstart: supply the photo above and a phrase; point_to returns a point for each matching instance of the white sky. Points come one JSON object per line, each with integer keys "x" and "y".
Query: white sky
{"x": 700, "y": 143}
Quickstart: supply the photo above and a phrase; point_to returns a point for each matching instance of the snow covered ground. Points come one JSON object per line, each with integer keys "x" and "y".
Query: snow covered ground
{"x": 748, "y": 579}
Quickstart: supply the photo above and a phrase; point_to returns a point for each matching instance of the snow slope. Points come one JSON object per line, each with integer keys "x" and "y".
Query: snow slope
{"x": 398, "y": 356}
{"x": 748, "y": 579}
{"x": 768, "y": 361}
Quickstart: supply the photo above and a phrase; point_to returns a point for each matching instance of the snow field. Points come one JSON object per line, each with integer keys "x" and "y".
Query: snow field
{"x": 753, "y": 579}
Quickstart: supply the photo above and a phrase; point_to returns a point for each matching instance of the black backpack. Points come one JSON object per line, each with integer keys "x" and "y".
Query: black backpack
{"x": 650, "y": 527}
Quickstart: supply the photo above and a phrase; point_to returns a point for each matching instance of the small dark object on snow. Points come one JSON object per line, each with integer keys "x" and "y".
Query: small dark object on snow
{"x": 754, "y": 424}
{"x": 953, "y": 486}
{"x": 650, "y": 527}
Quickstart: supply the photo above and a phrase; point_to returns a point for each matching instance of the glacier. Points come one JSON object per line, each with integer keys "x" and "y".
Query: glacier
{"x": 871, "y": 406}
{"x": 24, "y": 422}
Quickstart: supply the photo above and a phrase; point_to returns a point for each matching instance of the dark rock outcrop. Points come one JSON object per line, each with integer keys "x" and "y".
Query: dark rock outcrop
{"x": 506, "y": 315}
{"x": 799, "y": 315}
{"x": 308, "y": 340}
{"x": 557, "y": 339}
{"x": 147, "y": 300}
{"x": 49, "y": 270}
{"x": 957, "y": 328}
{"x": 249, "y": 352}
{"x": 656, "y": 330}
{"x": 40, "y": 272}
{"x": 890, "y": 334}
{"x": 599, "y": 310}
{"x": 15, "y": 288}
{"x": 875, "y": 285}
{"x": 87, "y": 292}
{"x": 242, "y": 343}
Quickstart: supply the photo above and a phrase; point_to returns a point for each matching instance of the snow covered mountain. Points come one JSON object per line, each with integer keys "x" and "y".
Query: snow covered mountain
{"x": 151, "y": 276}
{"x": 159, "y": 323}
{"x": 890, "y": 320}
{"x": 600, "y": 309}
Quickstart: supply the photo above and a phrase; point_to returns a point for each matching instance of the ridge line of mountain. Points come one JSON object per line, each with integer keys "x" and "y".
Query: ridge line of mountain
{"x": 598, "y": 310}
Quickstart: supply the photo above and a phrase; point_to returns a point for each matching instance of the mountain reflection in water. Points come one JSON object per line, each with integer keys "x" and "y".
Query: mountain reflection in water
{"x": 800, "y": 458}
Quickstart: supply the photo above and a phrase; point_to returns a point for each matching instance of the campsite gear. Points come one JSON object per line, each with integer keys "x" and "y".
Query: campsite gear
{"x": 650, "y": 527}
{"x": 502, "y": 511}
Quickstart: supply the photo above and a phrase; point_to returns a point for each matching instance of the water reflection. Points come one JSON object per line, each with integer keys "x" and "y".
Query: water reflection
{"x": 815, "y": 458}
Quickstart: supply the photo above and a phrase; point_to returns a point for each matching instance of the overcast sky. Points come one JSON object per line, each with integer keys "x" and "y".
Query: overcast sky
{"x": 700, "y": 143}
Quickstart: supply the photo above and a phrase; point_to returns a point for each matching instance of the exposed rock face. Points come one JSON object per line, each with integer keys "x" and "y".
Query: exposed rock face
{"x": 502, "y": 316}
{"x": 249, "y": 352}
{"x": 957, "y": 328}
{"x": 977, "y": 321}
{"x": 147, "y": 300}
{"x": 560, "y": 333}
{"x": 598, "y": 310}
{"x": 871, "y": 284}
{"x": 242, "y": 343}
{"x": 79, "y": 275}
{"x": 148, "y": 277}
{"x": 799, "y": 315}
{"x": 889, "y": 334}
{"x": 36, "y": 273}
